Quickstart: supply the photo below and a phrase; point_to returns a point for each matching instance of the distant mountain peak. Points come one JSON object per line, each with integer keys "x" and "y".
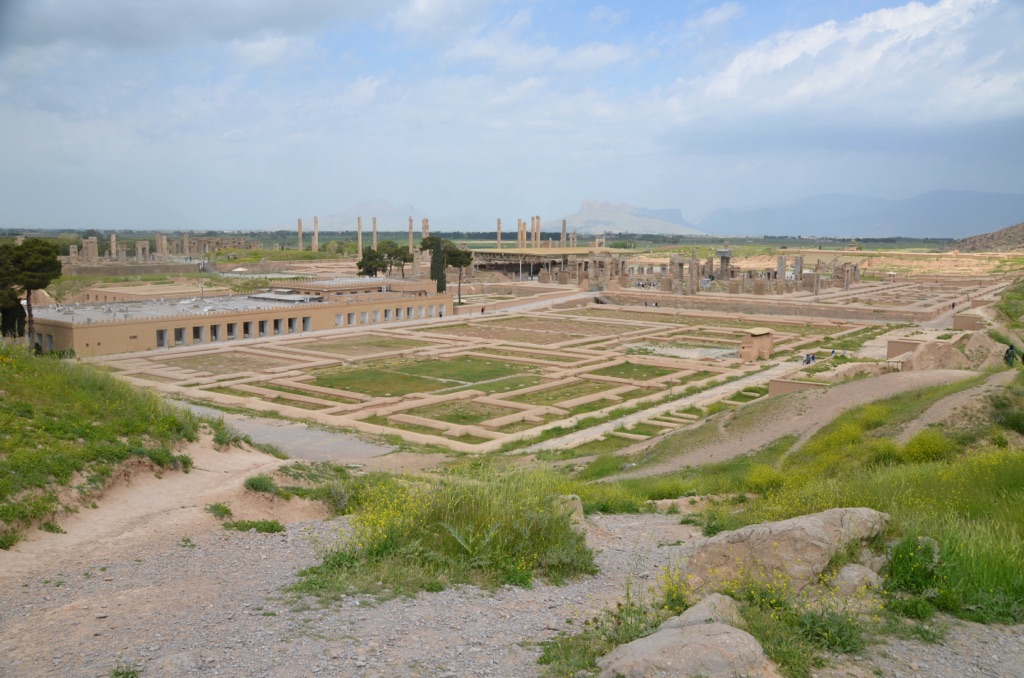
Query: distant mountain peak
{"x": 596, "y": 216}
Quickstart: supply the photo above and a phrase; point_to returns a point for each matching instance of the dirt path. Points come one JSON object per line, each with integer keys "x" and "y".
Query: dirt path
{"x": 801, "y": 413}
{"x": 155, "y": 507}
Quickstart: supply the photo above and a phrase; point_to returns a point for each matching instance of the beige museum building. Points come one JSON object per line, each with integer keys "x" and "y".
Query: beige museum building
{"x": 160, "y": 323}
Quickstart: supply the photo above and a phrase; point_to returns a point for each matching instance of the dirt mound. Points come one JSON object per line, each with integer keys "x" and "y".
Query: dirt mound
{"x": 936, "y": 355}
{"x": 981, "y": 350}
{"x": 971, "y": 352}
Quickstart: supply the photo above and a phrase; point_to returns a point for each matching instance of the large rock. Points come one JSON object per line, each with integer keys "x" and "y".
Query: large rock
{"x": 699, "y": 642}
{"x": 797, "y": 549}
{"x": 854, "y": 579}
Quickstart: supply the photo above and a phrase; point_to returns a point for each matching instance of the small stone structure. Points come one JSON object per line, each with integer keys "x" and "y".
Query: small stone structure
{"x": 757, "y": 345}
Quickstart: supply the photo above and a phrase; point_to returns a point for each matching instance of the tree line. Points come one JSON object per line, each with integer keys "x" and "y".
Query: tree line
{"x": 443, "y": 253}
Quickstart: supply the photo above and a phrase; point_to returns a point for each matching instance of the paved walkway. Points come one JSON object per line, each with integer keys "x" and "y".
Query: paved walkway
{"x": 699, "y": 399}
{"x": 296, "y": 439}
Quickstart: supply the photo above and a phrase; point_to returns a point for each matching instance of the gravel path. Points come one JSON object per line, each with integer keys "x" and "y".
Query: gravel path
{"x": 216, "y": 609}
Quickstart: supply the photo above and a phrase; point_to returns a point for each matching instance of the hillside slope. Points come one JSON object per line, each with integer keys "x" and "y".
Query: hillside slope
{"x": 1009, "y": 239}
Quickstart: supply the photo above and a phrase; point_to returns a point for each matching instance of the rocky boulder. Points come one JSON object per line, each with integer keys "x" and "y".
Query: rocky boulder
{"x": 699, "y": 642}
{"x": 853, "y": 579}
{"x": 797, "y": 549}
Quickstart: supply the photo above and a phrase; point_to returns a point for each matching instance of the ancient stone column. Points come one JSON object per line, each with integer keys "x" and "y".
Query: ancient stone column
{"x": 316, "y": 235}
{"x": 359, "y": 237}
{"x": 375, "y": 234}
{"x": 798, "y": 268}
{"x": 186, "y": 247}
{"x": 410, "y": 235}
{"x": 780, "y": 268}
{"x": 426, "y": 227}
{"x": 499, "y": 233}
{"x": 536, "y": 236}
{"x": 563, "y": 232}
{"x": 300, "y": 235}
{"x": 113, "y": 244}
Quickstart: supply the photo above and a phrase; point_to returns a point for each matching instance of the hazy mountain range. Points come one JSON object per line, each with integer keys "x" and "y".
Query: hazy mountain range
{"x": 937, "y": 214}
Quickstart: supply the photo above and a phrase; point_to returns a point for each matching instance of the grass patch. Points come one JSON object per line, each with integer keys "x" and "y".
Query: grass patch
{"x": 220, "y": 510}
{"x": 376, "y": 382}
{"x": 594, "y": 447}
{"x": 1011, "y": 303}
{"x": 60, "y": 421}
{"x": 967, "y": 500}
{"x": 460, "y": 412}
{"x": 483, "y": 524}
{"x": 266, "y": 484}
{"x": 469, "y": 369}
{"x": 637, "y": 371}
{"x": 558, "y": 394}
{"x": 263, "y": 526}
{"x": 500, "y": 385}
{"x": 605, "y": 465}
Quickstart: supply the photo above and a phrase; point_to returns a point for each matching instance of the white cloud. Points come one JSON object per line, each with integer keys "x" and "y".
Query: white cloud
{"x": 268, "y": 49}
{"x": 436, "y": 17}
{"x": 715, "y": 16}
{"x": 363, "y": 91}
{"x": 603, "y": 18}
{"x": 893, "y": 63}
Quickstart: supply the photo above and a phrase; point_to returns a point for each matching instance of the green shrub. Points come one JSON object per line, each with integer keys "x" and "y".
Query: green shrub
{"x": 929, "y": 445}
{"x": 219, "y": 510}
{"x": 913, "y": 607}
{"x": 261, "y": 483}
{"x": 761, "y": 478}
{"x": 265, "y": 526}
{"x": 913, "y": 566}
{"x": 831, "y": 630}
{"x": 484, "y": 524}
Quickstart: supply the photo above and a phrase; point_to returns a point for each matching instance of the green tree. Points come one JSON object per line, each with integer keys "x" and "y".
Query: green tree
{"x": 460, "y": 259}
{"x": 12, "y": 315}
{"x": 372, "y": 263}
{"x": 396, "y": 256}
{"x": 438, "y": 260}
{"x": 34, "y": 265}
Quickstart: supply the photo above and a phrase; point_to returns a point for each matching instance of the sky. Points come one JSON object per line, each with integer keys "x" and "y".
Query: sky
{"x": 247, "y": 114}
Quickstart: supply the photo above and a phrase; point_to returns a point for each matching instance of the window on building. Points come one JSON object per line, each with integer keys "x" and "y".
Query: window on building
{"x": 350, "y": 319}
{"x": 339, "y": 319}
{"x": 179, "y": 336}
{"x": 278, "y": 324}
{"x": 232, "y": 331}
{"x": 215, "y": 333}
{"x": 161, "y": 338}
{"x": 293, "y": 325}
{"x": 363, "y": 315}
{"x": 198, "y": 332}
{"x": 307, "y": 323}
{"x": 263, "y": 328}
